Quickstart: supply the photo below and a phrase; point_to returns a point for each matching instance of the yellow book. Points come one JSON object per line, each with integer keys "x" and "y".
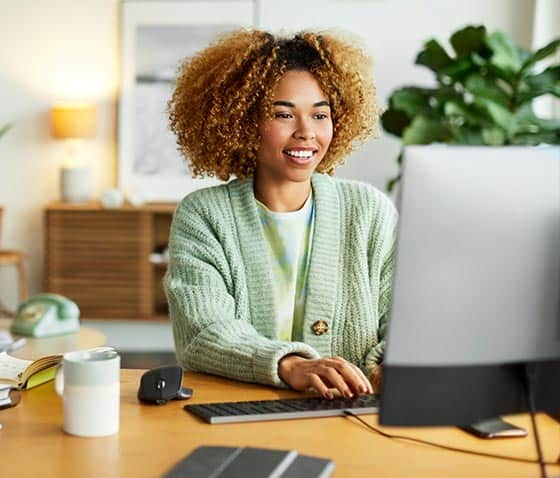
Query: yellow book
{"x": 24, "y": 374}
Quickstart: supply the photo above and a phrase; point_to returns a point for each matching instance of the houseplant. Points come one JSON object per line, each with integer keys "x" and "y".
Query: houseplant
{"x": 483, "y": 94}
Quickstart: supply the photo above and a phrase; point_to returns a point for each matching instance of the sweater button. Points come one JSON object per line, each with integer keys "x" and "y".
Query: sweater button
{"x": 320, "y": 327}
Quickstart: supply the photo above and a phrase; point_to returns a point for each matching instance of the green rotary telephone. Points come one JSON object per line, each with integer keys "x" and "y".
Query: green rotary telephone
{"x": 45, "y": 315}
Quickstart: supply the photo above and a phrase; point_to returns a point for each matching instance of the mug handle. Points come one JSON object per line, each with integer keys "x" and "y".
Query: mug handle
{"x": 59, "y": 380}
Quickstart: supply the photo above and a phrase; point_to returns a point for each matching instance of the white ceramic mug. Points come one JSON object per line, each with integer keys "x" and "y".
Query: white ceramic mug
{"x": 89, "y": 383}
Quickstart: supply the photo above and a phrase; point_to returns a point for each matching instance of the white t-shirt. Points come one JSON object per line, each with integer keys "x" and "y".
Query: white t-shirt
{"x": 289, "y": 236}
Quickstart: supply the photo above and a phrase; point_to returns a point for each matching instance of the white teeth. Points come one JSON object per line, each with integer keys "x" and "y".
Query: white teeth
{"x": 300, "y": 154}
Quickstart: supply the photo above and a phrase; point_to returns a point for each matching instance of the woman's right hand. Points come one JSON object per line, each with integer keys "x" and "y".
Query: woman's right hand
{"x": 322, "y": 375}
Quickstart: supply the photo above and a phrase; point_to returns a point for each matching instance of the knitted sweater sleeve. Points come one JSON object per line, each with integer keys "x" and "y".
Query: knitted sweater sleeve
{"x": 210, "y": 334}
{"x": 389, "y": 234}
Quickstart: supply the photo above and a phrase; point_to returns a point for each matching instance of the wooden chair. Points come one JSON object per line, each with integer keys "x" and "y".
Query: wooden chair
{"x": 13, "y": 258}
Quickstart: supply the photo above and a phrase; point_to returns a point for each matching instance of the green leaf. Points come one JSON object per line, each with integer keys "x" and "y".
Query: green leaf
{"x": 395, "y": 121}
{"x": 478, "y": 59}
{"x": 505, "y": 54}
{"x": 546, "y": 82}
{"x": 442, "y": 95}
{"x": 392, "y": 183}
{"x": 468, "y": 40}
{"x": 548, "y": 124}
{"x": 493, "y": 136}
{"x": 493, "y": 71}
{"x": 530, "y": 124}
{"x": 433, "y": 56}
{"x": 486, "y": 88}
{"x": 525, "y": 118}
{"x": 543, "y": 137}
{"x": 535, "y": 124}
{"x": 469, "y": 114}
{"x": 541, "y": 54}
{"x": 457, "y": 70}
{"x": 464, "y": 135}
{"x": 411, "y": 100}
{"x": 501, "y": 116}
{"x": 424, "y": 130}
{"x": 525, "y": 111}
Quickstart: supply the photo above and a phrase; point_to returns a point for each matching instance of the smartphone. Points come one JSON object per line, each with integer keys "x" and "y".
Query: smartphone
{"x": 495, "y": 428}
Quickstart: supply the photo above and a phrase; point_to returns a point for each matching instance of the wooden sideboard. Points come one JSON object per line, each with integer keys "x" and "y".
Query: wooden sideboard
{"x": 103, "y": 258}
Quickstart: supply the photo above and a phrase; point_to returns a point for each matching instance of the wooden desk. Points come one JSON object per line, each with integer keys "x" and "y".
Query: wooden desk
{"x": 34, "y": 348}
{"x": 153, "y": 438}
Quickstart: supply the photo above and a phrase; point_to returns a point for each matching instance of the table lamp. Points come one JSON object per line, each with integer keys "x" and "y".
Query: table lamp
{"x": 73, "y": 122}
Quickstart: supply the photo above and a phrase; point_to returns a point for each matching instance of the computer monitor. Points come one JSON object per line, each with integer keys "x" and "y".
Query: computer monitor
{"x": 476, "y": 291}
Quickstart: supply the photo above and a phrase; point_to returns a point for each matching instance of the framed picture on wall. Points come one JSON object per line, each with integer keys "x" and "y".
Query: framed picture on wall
{"x": 156, "y": 36}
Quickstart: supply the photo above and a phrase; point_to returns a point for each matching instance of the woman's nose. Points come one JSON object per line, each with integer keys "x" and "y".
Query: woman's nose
{"x": 304, "y": 130}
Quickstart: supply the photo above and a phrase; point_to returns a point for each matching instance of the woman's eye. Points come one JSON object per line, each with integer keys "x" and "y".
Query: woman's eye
{"x": 283, "y": 115}
{"x": 321, "y": 116}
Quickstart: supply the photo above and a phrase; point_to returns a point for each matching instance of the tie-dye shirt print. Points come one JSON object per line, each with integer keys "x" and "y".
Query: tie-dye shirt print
{"x": 289, "y": 237}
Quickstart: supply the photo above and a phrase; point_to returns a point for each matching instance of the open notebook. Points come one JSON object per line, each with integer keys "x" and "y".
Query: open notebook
{"x": 24, "y": 374}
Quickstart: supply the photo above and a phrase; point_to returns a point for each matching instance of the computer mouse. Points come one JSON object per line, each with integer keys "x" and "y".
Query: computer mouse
{"x": 161, "y": 384}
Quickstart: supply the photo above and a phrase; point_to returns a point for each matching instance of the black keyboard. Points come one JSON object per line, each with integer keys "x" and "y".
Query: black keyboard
{"x": 283, "y": 409}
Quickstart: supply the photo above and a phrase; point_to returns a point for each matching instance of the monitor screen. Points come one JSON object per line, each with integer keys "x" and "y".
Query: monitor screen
{"x": 476, "y": 291}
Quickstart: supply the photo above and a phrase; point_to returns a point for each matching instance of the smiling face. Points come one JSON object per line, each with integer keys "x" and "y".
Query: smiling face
{"x": 298, "y": 136}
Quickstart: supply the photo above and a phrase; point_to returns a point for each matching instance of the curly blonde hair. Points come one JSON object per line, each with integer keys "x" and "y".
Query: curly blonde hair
{"x": 223, "y": 92}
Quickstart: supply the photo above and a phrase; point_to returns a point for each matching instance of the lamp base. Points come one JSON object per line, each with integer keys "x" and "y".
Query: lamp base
{"x": 76, "y": 184}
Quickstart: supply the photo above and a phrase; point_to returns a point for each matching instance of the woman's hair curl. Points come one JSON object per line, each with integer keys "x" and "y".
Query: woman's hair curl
{"x": 223, "y": 92}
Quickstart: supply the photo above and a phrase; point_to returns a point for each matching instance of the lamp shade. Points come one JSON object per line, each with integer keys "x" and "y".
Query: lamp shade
{"x": 73, "y": 120}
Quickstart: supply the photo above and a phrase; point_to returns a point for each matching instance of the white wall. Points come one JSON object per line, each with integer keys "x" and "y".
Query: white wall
{"x": 50, "y": 50}
{"x": 69, "y": 49}
{"x": 393, "y": 32}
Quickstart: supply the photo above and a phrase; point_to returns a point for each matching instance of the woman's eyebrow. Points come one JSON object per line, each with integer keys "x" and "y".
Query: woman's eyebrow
{"x": 289, "y": 104}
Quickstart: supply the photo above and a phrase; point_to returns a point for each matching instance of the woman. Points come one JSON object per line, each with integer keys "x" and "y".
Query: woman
{"x": 283, "y": 275}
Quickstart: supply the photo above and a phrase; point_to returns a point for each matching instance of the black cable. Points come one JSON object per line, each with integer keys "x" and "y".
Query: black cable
{"x": 445, "y": 447}
{"x": 530, "y": 375}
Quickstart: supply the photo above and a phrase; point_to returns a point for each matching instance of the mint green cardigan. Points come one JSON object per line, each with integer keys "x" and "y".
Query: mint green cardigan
{"x": 220, "y": 290}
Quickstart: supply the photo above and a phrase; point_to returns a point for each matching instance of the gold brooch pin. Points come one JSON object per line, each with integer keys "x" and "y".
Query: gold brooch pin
{"x": 320, "y": 327}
